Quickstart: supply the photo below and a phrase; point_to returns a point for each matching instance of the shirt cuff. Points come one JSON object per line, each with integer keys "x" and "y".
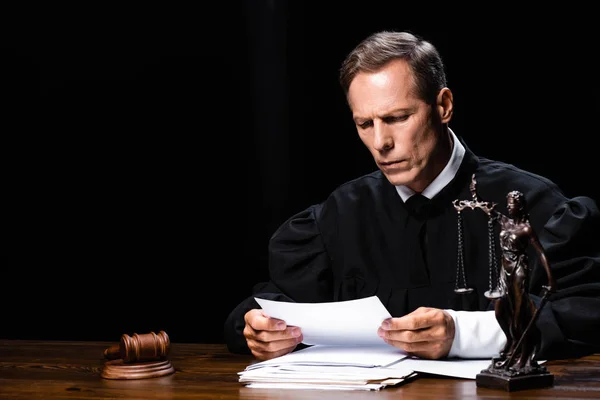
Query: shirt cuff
{"x": 477, "y": 334}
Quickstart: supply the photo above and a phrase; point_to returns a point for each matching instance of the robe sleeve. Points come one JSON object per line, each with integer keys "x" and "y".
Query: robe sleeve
{"x": 570, "y": 319}
{"x": 299, "y": 270}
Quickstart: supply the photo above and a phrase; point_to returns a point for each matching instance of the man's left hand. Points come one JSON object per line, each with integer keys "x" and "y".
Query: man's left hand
{"x": 425, "y": 333}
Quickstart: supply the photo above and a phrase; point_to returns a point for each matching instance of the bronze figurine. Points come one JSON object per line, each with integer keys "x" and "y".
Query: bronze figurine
{"x": 515, "y": 368}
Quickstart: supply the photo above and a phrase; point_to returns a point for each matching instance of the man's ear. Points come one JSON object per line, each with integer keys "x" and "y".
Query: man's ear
{"x": 445, "y": 105}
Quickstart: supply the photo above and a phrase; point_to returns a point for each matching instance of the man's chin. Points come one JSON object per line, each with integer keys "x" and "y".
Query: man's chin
{"x": 398, "y": 178}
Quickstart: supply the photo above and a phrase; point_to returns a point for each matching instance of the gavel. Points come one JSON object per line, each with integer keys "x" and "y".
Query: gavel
{"x": 138, "y": 348}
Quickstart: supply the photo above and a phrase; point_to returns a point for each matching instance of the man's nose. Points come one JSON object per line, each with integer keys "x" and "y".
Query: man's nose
{"x": 382, "y": 138}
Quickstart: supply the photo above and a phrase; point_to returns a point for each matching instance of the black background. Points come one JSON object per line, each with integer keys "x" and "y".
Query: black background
{"x": 151, "y": 152}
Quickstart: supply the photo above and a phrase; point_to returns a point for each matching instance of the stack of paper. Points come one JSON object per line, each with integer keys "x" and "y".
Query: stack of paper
{"x": 331, "y": 368}
{"x": 345, "y": 351}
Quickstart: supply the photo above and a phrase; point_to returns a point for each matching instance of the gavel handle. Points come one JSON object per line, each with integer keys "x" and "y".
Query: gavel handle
{"x": 113, "y": 352}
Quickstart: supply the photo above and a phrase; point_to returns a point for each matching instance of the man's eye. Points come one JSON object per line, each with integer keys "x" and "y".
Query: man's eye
{"x": 365, "y": 124}
{"x": 399, "y": 118}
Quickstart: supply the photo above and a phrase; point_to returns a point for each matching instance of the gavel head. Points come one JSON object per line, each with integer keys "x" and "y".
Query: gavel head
{"x": 138, "y": 348}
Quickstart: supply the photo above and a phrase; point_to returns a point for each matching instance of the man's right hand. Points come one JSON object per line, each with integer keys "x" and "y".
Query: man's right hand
{"x": 269, "y": 337}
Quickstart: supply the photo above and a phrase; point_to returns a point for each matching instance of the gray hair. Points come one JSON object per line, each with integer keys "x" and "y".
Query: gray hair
{"x": 380, "y": 48}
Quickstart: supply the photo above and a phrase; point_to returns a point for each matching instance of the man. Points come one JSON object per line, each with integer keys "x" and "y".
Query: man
{"x": 368, "y": 239}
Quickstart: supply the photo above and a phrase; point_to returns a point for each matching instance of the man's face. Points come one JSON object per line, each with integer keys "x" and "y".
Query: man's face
{"x": 395, "y": 125}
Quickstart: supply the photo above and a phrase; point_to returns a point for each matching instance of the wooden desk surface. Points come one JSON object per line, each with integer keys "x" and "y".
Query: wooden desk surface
{"x": 71, "y": 370}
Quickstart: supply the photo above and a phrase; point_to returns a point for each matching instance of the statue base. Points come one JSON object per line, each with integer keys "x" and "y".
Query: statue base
{"x": 513, "y": 382}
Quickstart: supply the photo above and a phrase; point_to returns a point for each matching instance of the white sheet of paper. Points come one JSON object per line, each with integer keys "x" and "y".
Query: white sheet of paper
{"x": 347, "y": 323}
{"x": 316, "y": 373}
{"x": 296, "y": 386}
{"x": 356, "y": 356}
{"x": 454, "y": 367}
{"x": 457, "y": 368}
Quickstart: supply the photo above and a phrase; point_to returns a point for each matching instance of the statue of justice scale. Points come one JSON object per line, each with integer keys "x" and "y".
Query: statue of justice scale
{"x": 504, "y": 372}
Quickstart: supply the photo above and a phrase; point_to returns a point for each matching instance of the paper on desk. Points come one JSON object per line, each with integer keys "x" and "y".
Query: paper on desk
{"x": 327, "y": 386}
{"x": 457, "y": 368}
{"x": 351, "y": 356}
{"x": 316, "y": 386}
{"x": 325, "y": 373}
{"x": 347, "y": 323}
{"x": 330, "y": 368}
{"x": 453, "y": 367}
{"x": 323, "y": 376}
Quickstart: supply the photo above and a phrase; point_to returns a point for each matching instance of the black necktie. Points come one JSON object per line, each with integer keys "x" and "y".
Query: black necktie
{"x": 418, "y": 205}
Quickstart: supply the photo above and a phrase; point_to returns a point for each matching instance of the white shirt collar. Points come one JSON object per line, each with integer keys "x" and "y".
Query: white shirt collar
{"x": 444, "y": 177}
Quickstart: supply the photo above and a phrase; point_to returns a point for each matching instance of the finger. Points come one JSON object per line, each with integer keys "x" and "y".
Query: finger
{"x": 265, "y": 353}
{"x": 421, "y": 318}
{"x": 426, "y": 350}
{"x": 433, "y": 342}
{"x": 259, "y": 321}
{"x": 441, "y": 330}
{"x": 291, "y": 332}
{"x": 265, "y": 350}
{"x": 412, "y": 336}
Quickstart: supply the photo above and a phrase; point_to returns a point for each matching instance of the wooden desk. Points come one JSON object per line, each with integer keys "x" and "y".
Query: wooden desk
{"x": 71, "y": 370}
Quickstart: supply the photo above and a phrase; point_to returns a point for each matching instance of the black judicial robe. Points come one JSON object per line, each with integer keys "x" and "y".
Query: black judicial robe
{"x": 362, "y": 241}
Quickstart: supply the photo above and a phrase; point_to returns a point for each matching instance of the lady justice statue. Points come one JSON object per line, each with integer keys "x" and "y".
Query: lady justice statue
{"x": 516, "y": 313}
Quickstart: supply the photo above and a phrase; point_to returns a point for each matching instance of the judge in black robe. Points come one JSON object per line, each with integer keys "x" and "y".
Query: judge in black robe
{"x": 365, "y": 240}
{"x": 362, "y": 241}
